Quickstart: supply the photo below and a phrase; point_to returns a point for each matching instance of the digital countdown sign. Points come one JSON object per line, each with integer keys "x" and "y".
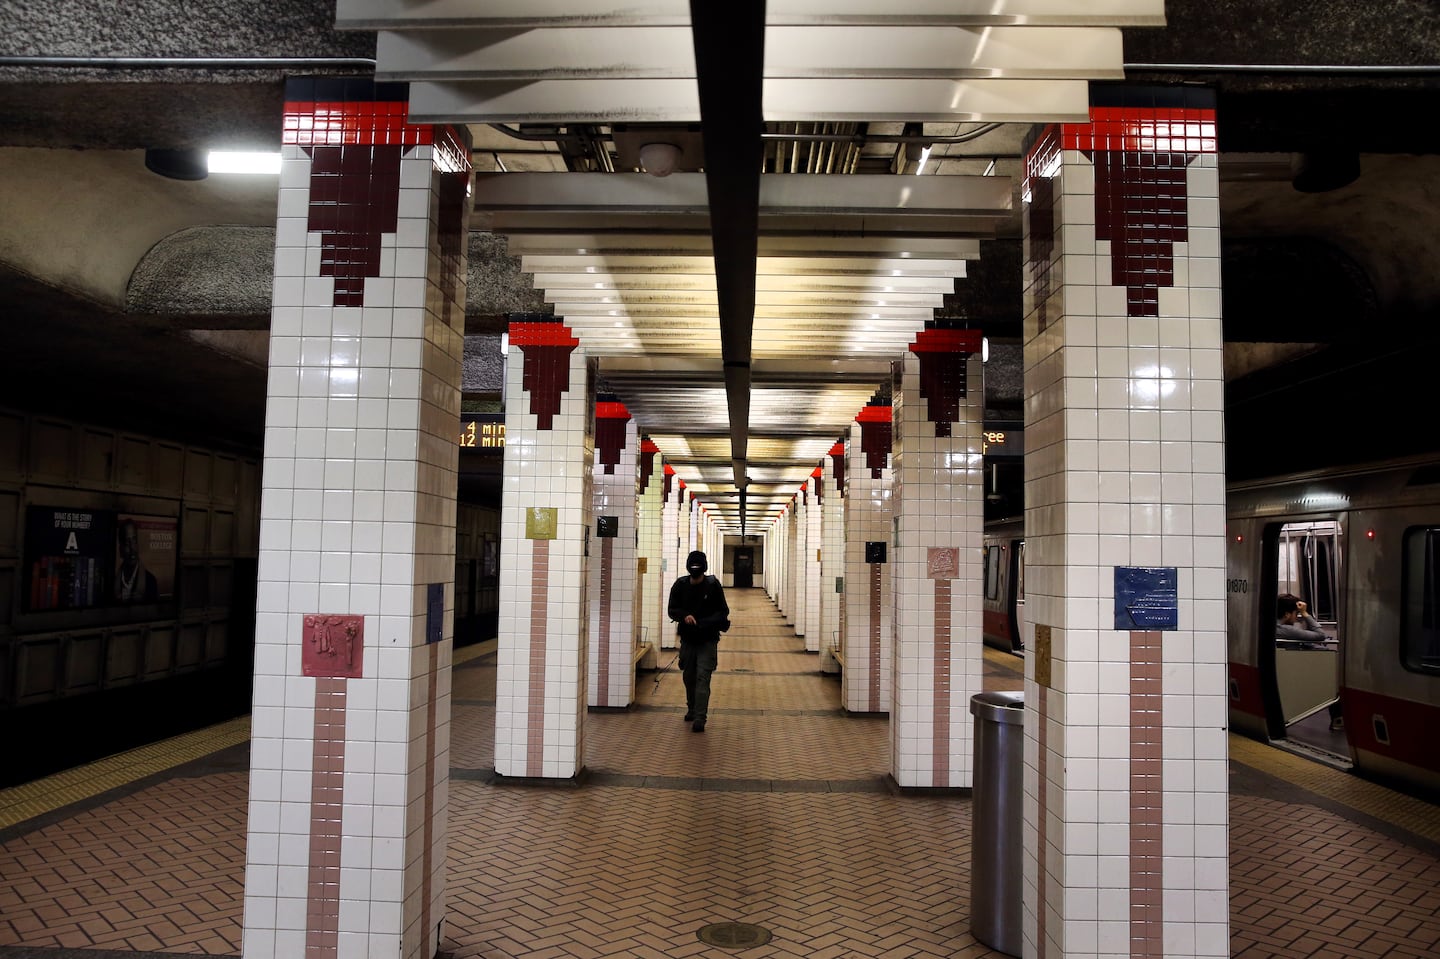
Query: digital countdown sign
{"x": 1002, "y": 442}
{"x": 482, "y": 431}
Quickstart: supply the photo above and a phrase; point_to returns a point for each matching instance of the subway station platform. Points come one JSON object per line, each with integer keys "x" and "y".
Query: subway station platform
{"x": 777, "y": 816}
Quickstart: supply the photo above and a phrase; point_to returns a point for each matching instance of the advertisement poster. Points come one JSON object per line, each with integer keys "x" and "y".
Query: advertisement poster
{"x": 67, "y": 553}
{"x": 85, "y": 559}
{"x": 144, "y": 559}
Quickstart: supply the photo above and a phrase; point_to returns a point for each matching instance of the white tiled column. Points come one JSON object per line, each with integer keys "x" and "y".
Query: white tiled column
{"x": 652, "y": 587}
{"x": 814, "y": 534}
{"x": 1125, "y": 784}
{"x": 682, "y": 529}
{"x": 792, "y": 534}
{"x": 868, "y": 607}
{"x": 345, "y": 853}
{"x": 546, "y": 517}
{"x": 671, "y": 493}
{"x": 832, "y": 566}
{"x": 613, "y": 577}
{"x": 939, "y": 505}
{"x": 800, "y": 529}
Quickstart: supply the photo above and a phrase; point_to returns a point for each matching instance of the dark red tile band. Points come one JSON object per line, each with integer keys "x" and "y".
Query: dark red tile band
{"x": 1147, "y": 920}
{"x": 940, "y": 720}
{"x": 607, "y": 575}
{"x": 432, "y": 683}
{"x": 877, "y": 572}
{"x": 539, "y": 615}
{"x": 327, "y": 806}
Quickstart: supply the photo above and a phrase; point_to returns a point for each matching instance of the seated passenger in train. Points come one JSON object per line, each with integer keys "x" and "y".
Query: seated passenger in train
{"x": 1294, "y": 622}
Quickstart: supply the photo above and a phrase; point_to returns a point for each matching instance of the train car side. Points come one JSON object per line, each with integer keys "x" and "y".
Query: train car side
{"x": 1353, "y": 529}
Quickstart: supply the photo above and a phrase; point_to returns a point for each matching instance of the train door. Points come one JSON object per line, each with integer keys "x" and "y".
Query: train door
{"x": 1017, "y": 611}
{"x": 1301, "y": 677}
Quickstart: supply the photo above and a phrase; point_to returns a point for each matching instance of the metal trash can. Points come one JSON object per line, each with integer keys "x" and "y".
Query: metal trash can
{"x": 996, "y": 834}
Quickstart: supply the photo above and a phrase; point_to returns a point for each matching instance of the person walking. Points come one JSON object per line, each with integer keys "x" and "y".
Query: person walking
{"x": 697, "y": 604}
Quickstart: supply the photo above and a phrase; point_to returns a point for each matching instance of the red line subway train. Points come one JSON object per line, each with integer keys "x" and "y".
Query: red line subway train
{"x": 1360, "y": 547}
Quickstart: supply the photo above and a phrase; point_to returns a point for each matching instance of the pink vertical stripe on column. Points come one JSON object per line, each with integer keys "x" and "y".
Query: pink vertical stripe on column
{"x": 940, "y": 756}
{"x": 607, "y": 557}
{"x": 432, "y": 651}
{"x": 875, "y": 583}
{"x": 1042, "y": 720}
{"x": 327, "y": 803}
{"x": 1147, "y": 926}
{"x": 539, "y": 608}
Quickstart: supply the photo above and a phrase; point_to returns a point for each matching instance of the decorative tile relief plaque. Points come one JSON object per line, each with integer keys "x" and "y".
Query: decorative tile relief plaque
{"x": 942, "y": 562}
{"x": 642, "y": 565}
{"x": 1042, "y": 654}
{"x": 333, "y": 645}
{"x": 607, "y": 526}
{"x": 875, "y": 551}
{"x": 839, "y": 584}
{"x": 542, "y": 522}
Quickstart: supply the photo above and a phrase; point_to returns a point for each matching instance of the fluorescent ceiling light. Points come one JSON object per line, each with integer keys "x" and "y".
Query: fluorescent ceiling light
{"x": 262, "y": 163}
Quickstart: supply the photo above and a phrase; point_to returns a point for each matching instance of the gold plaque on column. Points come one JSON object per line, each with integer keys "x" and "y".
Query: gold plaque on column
{"x": 642, "y": 563}
{"x": 1042, "y": 654}
{"x": 541, "y": 522}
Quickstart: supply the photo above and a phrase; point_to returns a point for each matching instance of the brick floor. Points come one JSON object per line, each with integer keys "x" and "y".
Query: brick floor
{"x": 776, "y": 815}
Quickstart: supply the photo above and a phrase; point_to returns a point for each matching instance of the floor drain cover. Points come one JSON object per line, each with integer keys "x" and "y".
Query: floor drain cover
{"x": 734, "y": 935}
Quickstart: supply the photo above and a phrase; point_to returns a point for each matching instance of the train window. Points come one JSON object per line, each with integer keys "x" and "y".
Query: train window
{"x": 1420, "y": 601}
{"x": 1020, "y": 574}
{"x": 992, "y": 572}
{"x": 1309, "y": 566}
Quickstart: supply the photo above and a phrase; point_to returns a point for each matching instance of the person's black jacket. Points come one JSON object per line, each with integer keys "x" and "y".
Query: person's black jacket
{"x": 705, "y": 601}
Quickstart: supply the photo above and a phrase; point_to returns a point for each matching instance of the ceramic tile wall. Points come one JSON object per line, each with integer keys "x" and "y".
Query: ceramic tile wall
{"x": 796, "y": 533}
{"x": 774, "y": 558}
{"x": 669, "y": 537}
{"x": 613, "y": 578}
{"x": 868, "y": 605}
{"x": 939, "y": 508}
{"x": 832, "y": 566}
{"x": 654, "y": 588}
{"x": 682, "y": 531}
{"x": 350, "y": 749}
{"x": 814, "y": 539}
{"x": 1126, "y": 813}
{"x": 541, "y": 678}
{"x": 799, "y": 568}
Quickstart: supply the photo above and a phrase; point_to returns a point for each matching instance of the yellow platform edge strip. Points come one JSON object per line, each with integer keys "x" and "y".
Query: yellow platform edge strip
{"x": 1397, "y": 809}
{"x": 19, "y": 803}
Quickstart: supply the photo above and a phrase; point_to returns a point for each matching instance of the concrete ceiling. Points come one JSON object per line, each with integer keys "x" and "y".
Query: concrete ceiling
{"x": 100, "y": 259}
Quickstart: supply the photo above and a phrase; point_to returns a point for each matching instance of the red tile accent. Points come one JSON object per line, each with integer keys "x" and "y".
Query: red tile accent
{"x": 1146, "y": 792}
{"x": 546, "y": 374}
{"x": 327, "y": 804}
{"x": 943, "y": 355}
{"x": 877, "y": 572}
{"x": 539, "y": 608}
{"x": 356, "y": 123}
{"x": 1042, "y": 166}
{"x": 941, "y": 718}
{"x": 354, "y": 199}
{"x": 432, "y": 676}
{"x": 1144, "y": 130}
{"x": 332, "y": 645}
{"x": 877, "y": 433}
{"x": 648, "y": 449}
{"x": 607, "y": 574}
{"x": 837, "y": 458}
{"x": 1042, "y": 851}
{"x": 610, "y": 428}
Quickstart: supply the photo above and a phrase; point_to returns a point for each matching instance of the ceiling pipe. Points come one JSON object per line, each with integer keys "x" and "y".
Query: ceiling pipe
{"x": 729, "y": 66}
